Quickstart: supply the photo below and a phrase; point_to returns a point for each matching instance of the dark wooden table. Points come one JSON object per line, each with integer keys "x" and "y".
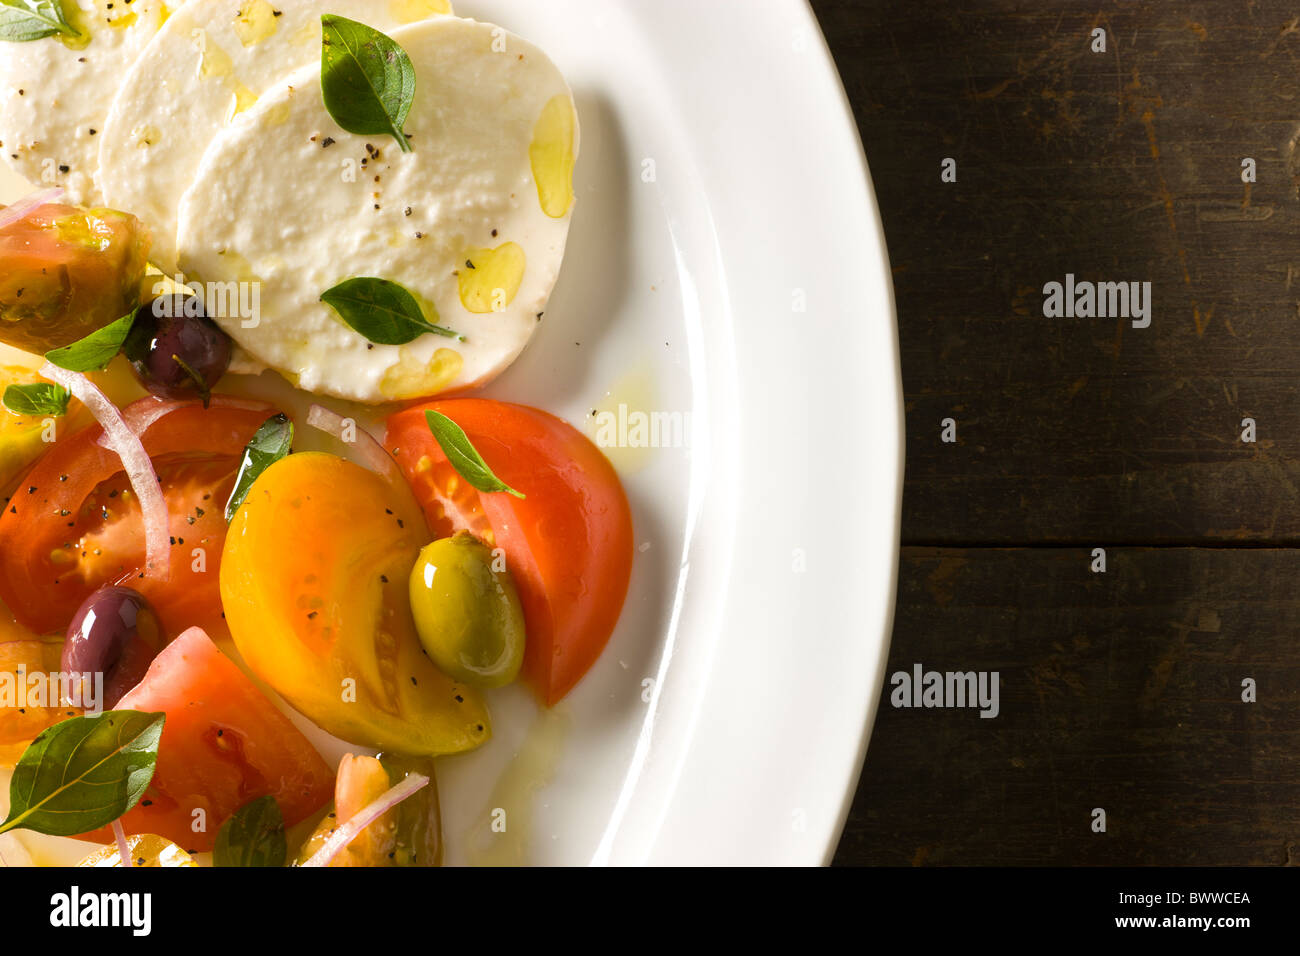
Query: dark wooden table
{"x": 1120, "y": 690}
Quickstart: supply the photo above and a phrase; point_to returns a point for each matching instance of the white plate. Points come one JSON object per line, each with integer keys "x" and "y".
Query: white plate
{"x": 726, "y": 261}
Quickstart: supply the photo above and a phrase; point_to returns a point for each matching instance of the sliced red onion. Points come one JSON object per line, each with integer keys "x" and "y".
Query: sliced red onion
{"x": 368, "y": 453}
{"x": 119, "y": 438}
{"x": 123, "y": 851}
{"x": 349, "y": 830}
{"x": 141, "y": 416}
{"x": 29, "y": 204}
{"x": 368, "y": 449}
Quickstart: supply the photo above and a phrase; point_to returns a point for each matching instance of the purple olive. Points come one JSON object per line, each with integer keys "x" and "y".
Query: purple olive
{"x": 175, "y": 349}
{"x": 115, "y": 633}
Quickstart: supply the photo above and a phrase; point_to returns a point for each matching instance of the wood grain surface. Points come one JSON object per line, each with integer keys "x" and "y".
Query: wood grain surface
{"x": 1120, "y": 690}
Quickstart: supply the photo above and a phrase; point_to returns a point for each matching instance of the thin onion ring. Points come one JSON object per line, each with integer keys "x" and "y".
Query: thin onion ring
{"x": 28, "y": 205}
{"x": 350, "y": 829}
{"x": 123, "y": 850}
{"x": 369, "y": 453}
{"x": 135, "y": 462}
{"x": 141, "y": 419}
{"x": 367, "y": 446}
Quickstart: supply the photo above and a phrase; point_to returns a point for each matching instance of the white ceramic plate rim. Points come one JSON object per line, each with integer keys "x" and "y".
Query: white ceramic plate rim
{"x": 740, "y": 773}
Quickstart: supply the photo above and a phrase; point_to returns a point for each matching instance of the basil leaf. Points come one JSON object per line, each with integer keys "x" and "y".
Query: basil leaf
{"x": 254, "y": 836}
{"x": 382, "y": 311}
{"x": 96, "y": 350}
{"x": 366, "y": 79}
{"x": 23, "y": 20}
{"x": 84, "y": 772}
{"x": 464, "y": 457}
{"x": 39, "y": 399}
{"x": 272, "y": 442}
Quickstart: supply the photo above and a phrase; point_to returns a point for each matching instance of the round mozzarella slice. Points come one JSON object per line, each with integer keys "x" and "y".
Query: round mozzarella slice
{"x": 211, "y": 62}
{"x": 472, "y": 222}
{"x": 55, "y": 93}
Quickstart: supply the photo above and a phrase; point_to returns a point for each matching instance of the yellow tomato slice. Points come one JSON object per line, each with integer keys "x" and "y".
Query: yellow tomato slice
{"x": 146, "y": 850}
{"x": 26, "y": 707}
{"x": 314, "y": 587}
{"x": 24, "y": 438}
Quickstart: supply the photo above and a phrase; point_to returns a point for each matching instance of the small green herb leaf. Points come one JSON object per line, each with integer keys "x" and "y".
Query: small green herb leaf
{"x": 382, "y": 311}
{"x": 84, "y": 773}
{"x": 23, "y": 20}
{"x": 464, "y": 457}
{"x": 366, "y": 79}
{"x": 254, "y": 836}
{"x": 38, "y": 399}
{"x": 272, "y": 442}
{"x": 96, "y": 350}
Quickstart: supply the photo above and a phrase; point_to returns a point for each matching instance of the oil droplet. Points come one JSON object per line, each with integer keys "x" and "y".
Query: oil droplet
{"x": 243, "y": 269}
{"x": 411, "y": 378}
{"x": 244, "y": 99}
{"x": 278, "y": 115}
{"x": 78, "y": 42}
{"x": 552, "y": 155}
{"x": 255, "y": 22}
{"x": 146, "y": 136}
{"x": 233, "y": 266}
{"x": 408, "y": 11}
{"x": 628, "y": 427}
{"x": 79, "y": 20}
{"x": 214, "y": 61}
{"x": 309, "y": 34}
{"x": 490, "y": 278}
{"x": 532, "y": 769}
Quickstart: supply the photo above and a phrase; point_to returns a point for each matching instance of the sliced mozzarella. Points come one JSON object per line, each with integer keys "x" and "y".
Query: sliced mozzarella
{"x": 55, "y": 94}
{"x": 211, "y": 62}
{"x": 291, "y": 205}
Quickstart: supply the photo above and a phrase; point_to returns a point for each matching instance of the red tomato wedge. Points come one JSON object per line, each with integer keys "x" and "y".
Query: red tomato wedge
{"x": 224, "y": 744}
{"x": 568, "y": 543}
{"x": 65, "y": 272}
{"x": 72, "y": 526}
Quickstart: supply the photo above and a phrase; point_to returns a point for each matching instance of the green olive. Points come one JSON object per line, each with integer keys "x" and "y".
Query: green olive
{"x": 468, "y": 614}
